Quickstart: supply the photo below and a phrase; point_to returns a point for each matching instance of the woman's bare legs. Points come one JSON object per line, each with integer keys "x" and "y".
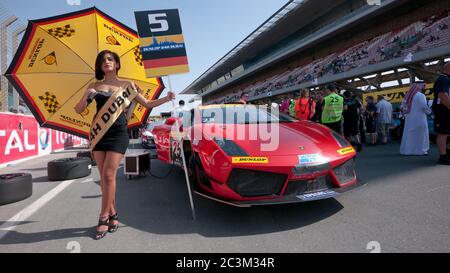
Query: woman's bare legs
{"x": 99, "y": 157}
{"x": 100, "y": 163}
{"x": 109, "y": 171}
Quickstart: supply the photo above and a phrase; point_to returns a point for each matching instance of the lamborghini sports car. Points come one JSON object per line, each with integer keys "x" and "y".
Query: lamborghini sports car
{"x": 245, "y": 155}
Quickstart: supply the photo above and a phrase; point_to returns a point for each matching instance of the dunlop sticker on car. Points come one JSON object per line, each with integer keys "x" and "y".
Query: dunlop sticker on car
{"x": 345, "y": 151}
{"x": 260, "y": 160}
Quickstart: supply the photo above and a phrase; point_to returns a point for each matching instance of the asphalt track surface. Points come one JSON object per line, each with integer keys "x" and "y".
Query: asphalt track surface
{"x": 403, "y": 208}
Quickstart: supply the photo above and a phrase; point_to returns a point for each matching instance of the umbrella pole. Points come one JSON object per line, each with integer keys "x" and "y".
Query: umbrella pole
{"x": 177, "y": 126}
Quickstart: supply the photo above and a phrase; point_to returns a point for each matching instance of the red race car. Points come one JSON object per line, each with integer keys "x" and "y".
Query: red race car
{"x": 247, "y": 155}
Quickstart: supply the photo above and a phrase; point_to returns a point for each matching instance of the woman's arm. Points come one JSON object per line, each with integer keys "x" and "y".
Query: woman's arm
{"x": 152, "y": 103}
{"x": 82, "y": 104}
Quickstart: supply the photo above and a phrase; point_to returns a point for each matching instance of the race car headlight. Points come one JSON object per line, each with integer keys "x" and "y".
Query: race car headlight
{"x": 340, "y": 140}
{"x": 346, "y": 172}
{"x": 229, "y": 147}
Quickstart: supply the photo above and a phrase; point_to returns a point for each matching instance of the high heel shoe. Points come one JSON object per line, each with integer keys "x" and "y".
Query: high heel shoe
{"x": 100, "y": 234}
{"x": 113, "y": 227}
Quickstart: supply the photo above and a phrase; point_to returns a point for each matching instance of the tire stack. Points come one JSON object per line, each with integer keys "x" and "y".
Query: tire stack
{"x": 69, "y": 168}
{"x": 15, "y": 187}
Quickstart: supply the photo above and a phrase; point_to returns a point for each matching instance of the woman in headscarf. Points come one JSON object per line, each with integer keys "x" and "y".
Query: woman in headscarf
{"x": 415, "y": 139}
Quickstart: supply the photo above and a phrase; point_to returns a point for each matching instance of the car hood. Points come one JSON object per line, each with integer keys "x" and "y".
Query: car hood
{"x": 294, "y": 138}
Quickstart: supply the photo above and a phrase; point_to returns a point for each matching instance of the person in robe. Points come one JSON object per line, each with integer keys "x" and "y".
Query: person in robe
{"x": 415, "y": 139}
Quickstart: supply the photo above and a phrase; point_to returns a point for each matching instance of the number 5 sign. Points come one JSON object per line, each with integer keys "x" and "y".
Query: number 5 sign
{"x": 162, "y": 42}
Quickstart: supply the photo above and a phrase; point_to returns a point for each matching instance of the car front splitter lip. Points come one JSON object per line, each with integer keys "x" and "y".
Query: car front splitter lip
{"x": 329, "y": 193}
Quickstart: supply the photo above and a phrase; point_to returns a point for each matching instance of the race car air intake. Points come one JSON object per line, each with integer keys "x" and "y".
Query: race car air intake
{"x": 346, "y": 172}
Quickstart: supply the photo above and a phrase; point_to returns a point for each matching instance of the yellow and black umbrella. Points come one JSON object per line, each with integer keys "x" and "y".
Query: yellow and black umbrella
{"x": 56, "y": 62}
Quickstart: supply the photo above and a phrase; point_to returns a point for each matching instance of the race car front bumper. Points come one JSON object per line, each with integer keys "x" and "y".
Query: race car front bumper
{"x": 289, "y": 198}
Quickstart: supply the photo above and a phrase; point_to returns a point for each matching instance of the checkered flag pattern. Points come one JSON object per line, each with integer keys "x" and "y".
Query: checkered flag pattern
{"x": 61, "y": 32}
{"x": 138, "y": 56}
{"x": 50, "y": 102}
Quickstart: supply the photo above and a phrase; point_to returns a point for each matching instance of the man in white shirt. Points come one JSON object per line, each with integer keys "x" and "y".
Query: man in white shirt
{"x": 180, "y": 109}
{"x": 384, "y": 117}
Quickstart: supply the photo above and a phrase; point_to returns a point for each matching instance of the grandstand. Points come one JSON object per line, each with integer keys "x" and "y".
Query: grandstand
{"x": 309, "y": 43}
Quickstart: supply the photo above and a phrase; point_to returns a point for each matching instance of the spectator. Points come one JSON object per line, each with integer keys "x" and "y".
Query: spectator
{"x": 361, "y": 129}
{"x": 384, "y": 118}
{"x": 352, "y": 109}
{"x": 180, "y": 109}
{"x": 441, "y": 108}
{"x": 415, "y": 139}
{"x": 244, "y": 98}
{"x": 332, "y": 109}
{"x": 304, "y": 106}
{"x": 284, "y": 108}
{"x": 370, "y": 118}
{"x": 292, "y": 106}
{"x": 319, "y": 107}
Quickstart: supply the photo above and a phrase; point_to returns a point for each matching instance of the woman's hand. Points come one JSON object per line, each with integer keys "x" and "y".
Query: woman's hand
{"x": 136, "y": 87}
{"x": 82, "y": 104}
{"x": 170, "y": 96}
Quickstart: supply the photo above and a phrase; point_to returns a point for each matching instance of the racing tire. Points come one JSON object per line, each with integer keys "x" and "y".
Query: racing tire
{"x": 87, "y": 154}
{"x": 197, "y": 173}
{"x": 68, "y": 168}
{"x": 15, "y": 187}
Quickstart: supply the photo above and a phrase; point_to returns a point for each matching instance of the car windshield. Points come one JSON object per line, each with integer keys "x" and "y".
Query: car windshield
{"x": 242, "y": 114}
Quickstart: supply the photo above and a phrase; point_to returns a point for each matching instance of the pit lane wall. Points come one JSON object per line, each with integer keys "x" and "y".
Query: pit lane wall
{"x": 21, "y": 138}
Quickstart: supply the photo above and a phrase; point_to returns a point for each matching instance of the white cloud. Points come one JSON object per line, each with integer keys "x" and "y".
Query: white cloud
{"x": 374, "y": 2}
{"x": 73, "y": 2}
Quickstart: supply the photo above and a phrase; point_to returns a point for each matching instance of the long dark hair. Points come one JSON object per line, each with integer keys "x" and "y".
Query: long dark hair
{"x": 99, "y": 74}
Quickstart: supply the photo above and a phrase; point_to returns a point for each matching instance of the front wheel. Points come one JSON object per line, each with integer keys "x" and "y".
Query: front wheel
{"x": 197, "y": 174}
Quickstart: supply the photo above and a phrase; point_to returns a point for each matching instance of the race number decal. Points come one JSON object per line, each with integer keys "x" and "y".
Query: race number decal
{"x": 175, "y": 152}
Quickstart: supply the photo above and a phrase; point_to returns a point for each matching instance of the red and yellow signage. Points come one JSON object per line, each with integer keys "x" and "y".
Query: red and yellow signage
{"x": 396, "y": 95}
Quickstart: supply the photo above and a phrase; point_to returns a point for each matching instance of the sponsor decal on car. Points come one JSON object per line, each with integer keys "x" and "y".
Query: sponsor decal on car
{"x": 307, "y": 159}
{"x": 345, "y": 151}
{"x": 260, "y": 160}
{"x": 317, "y": 195}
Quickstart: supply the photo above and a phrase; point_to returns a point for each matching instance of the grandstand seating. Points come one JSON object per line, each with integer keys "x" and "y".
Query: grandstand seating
{"x": 431, "y": 32}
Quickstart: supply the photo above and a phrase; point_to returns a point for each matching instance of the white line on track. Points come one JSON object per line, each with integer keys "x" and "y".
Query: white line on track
{"x": 32, "y": 208}
{"x": 87, "y": 180}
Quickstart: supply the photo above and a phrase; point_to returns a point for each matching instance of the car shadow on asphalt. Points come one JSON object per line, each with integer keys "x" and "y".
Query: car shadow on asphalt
{"x": 162, "y": 207}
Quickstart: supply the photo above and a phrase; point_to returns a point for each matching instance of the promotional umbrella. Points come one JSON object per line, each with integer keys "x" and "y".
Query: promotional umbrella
{"x": 56, "y": 62}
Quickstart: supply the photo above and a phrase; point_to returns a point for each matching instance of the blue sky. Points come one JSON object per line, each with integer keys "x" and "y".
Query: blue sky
{"x": 211, "y": 27}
